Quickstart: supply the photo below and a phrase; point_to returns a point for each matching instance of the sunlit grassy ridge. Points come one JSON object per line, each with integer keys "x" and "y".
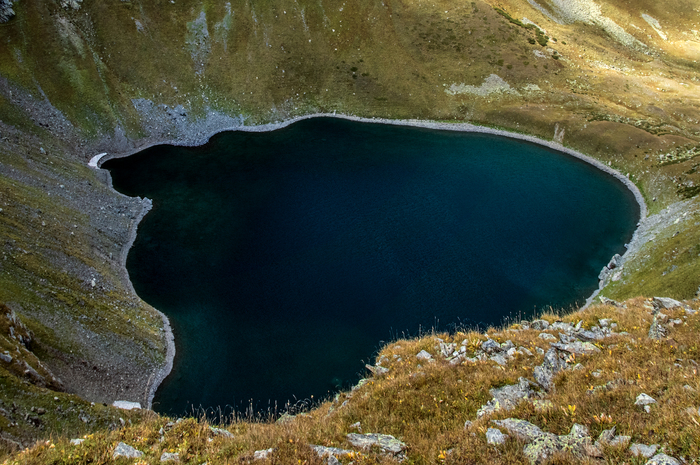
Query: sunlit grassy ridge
{"x": 425, "y": 403}
{"x": 616, "y": 80}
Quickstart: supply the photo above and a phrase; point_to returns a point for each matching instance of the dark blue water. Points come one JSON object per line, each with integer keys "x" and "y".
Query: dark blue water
{"x": 284, "y": 258}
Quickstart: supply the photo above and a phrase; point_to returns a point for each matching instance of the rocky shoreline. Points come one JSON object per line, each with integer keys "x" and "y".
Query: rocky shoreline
{"x": 191, "y": 136}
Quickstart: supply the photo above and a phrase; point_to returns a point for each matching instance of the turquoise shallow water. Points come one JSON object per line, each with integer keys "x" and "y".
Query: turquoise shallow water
{"x": 283, "y": 259}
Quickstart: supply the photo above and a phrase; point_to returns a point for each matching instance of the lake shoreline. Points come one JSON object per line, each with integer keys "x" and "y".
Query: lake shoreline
{"x": 157, "y": 377}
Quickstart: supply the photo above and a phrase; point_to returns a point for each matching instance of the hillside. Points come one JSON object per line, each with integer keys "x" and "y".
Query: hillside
{"x": 615, "y": 80}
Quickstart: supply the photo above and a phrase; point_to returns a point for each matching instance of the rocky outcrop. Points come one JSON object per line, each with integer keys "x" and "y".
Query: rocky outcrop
{"x": 6, "y": 11}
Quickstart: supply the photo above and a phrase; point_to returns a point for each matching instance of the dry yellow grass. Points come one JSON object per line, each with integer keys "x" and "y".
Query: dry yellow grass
{"x": 425, "y": 403}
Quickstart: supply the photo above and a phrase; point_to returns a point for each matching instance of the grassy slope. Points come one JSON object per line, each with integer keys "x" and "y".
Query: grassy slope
{"x": 425, "y": 404}
{"x": 274, "y": 60}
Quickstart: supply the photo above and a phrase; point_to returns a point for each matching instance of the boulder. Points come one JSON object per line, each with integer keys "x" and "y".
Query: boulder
{"x": 262, "y": 454}
{"x": 495, "y": 437}
{"x": 506, "y": 397}
{"x": 424, "y": 355}
{"x": 665, "y": 302}
{"x": 657, "y": 330}
{"x": 577, "y": 347}
{"x": 221, "y": 432}
{"x": 662, "y": 459}
{"x": 126, "y": 405}
{"x": 124, "y": 450}
{"x": 490, "y": 346}
{"x": 539, "y": 325}
{"x": 327, "y": 452}
{"x": 553, "y": 364}
{"x": 642, "y": 450}
{"x": 385, "y": 442}
{"x": 644, "y": 399}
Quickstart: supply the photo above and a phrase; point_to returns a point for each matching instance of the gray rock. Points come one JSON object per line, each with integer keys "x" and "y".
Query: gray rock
{"x": 75, "y": 4}
{"x": 495, "y": 437}
{"x": 662, "y": 459}
{"x": 561, "y": 326}
{"x": 468, "y": 424}
{"x": 6, "y": 358}
{"x": 657, "y": 330}
{"x": 490, "y": 346}
{"x": 221, "y": 432}
{"x": 500, "y": 359}
{"x": 6, "y": 11}
{"x": 76, "y": 442}
{"x": 262, "y": 454}
{"x": 324, "y": 451}
{"x": 126, "y": 405}
{"x": 385, "y": 442}
{"x": 446, "y": 349}
{"x": 644, "y": 399}
{"x": 539, "y": 325}
{"x": 577, "y": 443}
{"x": 424, "y": 355}
{"x": 506, "y": 397}
{"x": 506, "y": 346}
{"x": 587, "y": 335}
{"x": 620, "y": 440}
{"x": 124, "y": 450}
{"x": 378, "y": 370}
{"x": 169, "y": 457}
{"x": 666, "y": 302}
{"x": 547, "y": 337}
{"x": 331, "y": 460}
{"x": 521, "y": 429}
{"x": 606, "y": 437}
{"x": 553, "y": 364}
{"x": 577, "y": 347}
{"x": 642, "y": 450}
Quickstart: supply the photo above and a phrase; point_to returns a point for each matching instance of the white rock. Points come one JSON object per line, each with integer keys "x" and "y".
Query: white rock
{"x": 76, "y": 442}
{"x": 262, "y": 454}
{"x": 642, "y": 450}
{"x": 169, "y": 457}
{"x": 124, "y": 450}
{"x": 644, "y": 399}
{"x": 424, "y": 355}
{"x": 126, "y": 405}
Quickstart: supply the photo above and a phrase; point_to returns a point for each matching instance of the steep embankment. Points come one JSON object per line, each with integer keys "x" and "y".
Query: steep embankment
{"x": 613, "y": 80}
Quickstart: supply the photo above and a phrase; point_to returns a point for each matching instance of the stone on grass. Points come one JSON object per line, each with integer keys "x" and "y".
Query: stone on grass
{"x": 169, "y": 457}
{"x": 490, "y": 346}
{"x": 662, "y": 459}
{"x": 539, "y": 325}
{"x": 521, "y": 429}
{"x": 495, "y": 437}
{"x": 126, "y": 405}
{"x": 642, "y": 450}
{"x": 506, "y": 397}
{"x": 385, "y": 442}
{"x": 621, "y": 440}
{"x": 547, "y": 337}
{"x": 644, "y": 399}
{"x": 656, "y": 330}
{"x": 262, "y": 454}
{"x": 76, "y": 442}
{"x": 328, "y": 452}
{"x": 124, "y": 450}
{"x": 424, "y": 355}
{"x": 221, "y": 432}
{"x": 553, "y": 364}
{"x": 666, "y": 302}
